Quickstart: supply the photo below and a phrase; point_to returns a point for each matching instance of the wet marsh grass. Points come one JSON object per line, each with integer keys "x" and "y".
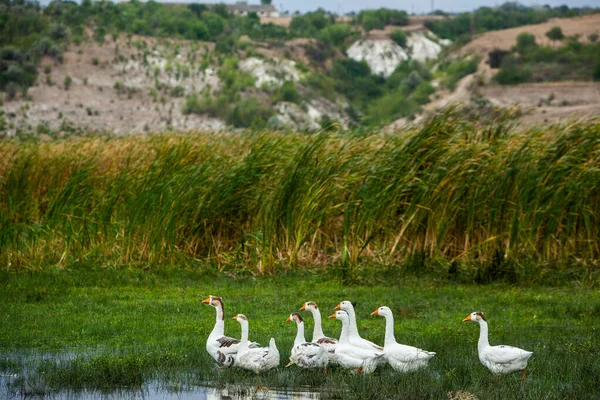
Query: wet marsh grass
{"x": 115, "y": 329}
{"x": 497, "y": 202}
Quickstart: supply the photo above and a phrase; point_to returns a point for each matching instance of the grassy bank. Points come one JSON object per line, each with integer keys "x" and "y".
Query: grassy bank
{"x": 118, "y": 329}
{"x": 482, "y": 202}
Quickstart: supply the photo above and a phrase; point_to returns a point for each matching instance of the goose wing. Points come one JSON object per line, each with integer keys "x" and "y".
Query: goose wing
{"x": 506, "y": 354}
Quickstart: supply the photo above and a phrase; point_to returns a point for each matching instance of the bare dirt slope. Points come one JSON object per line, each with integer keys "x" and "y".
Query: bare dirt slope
{"x": 126, "y": 86}
{"x": 507, "y": 38}
{"x": 542, "y": 102}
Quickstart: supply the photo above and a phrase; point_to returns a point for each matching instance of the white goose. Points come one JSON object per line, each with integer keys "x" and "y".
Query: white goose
{"x": 258, "y": 359}
{"x": 401, "y": 357}
{"x": 349, "y": 356}
{"x": 354, "y": 337}
{"x": 220, "y": 347}
{"x": 318, "y": 335}
{"x": 306, "y": 354}
{"x": 498, "y": 359}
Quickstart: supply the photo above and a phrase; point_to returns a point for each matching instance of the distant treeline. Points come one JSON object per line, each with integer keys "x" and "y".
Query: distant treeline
{"x": 508, "y": 15}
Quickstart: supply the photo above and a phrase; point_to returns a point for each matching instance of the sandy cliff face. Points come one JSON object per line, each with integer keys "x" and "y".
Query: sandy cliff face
{"x": 383, "y": 55}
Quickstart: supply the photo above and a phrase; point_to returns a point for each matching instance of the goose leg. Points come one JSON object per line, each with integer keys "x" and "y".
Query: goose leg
{"x": 325, "y": 371}
{"x": 524, "y": 374}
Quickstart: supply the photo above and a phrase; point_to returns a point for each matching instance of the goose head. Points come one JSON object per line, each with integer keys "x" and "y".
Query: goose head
{"x": 213, "y": 301}
{"x": 383, "y": 311}
{"x": 296, "y": 317}
{"x": 345, "y": 306}
{"x": 241, "y": 318}
{"x": 476, "y": 316}
{"x": 309, "y": 306}
{"x": 341, "y": 315}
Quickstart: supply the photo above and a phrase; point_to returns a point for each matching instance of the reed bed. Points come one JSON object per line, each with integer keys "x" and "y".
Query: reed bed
{"x": 452, "y": 191}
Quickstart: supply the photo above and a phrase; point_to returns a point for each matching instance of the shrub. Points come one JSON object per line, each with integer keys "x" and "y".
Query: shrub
{"x": 495, "y": 57}
{"x": 287, "y": 92}
{"x": 525, "y": 41}
{"x": 95, "y": 61}
{"x": 99, "y": 34}
{"x": 596, "y": 73}
{"x": 512, "y": 73}
{"x": 68, "y": 82}
{"x": 399, "y": 37}
{"x": 249, "y": 113}
{"x": 593, "y": 37}
{"x": 58, "y": 31}
{"x": 11, "y": 90}
{"x": 555, "y": 34}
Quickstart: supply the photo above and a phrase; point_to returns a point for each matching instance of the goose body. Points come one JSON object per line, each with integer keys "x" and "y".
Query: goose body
{"x": 220, "y": 347}
{"x": 498, "y": 359}
{"x": 318, "y": 336}
{"x": 257, "y": 359}
{"x": 306, "y": 354}
{"x": 353, "y": 336}
{"x": 349, "y": 356}
{"x": 401, "y": 357}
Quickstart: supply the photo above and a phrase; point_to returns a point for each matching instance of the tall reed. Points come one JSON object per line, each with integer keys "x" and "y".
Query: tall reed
{"x": 451, "y": 190}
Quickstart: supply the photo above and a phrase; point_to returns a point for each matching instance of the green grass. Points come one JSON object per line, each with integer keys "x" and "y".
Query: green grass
{"x": 123, "y": 328}
{"x": 490, "y": 202}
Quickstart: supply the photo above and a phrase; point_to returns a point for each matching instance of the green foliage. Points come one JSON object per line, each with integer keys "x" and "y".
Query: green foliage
{"x": 555, "y": 34}
{"x": 596, "y": 74}
{"x": 311, "y": 23}
{"x": 265, "y": 201}
{"x": 454, "y": 71}
{"x": 336, "y": 35}
{"x": 354, "y": 80}
{"x": 508, "y": 15}
{"x": 149, "y": 328}
{"x": 67, "y": 82}
{"x": 249, "y": 113}
{"x": 574, "y": 61}
{"x": 399, "y": 37}
{"x": 287, "y": 92}
{"x": 378, "y": 19}
{"x": 593, "y": 37}
{"x": 525, "y": 42}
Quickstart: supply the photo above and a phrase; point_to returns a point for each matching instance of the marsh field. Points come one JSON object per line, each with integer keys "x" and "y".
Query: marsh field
{"x": 108, "y": 246}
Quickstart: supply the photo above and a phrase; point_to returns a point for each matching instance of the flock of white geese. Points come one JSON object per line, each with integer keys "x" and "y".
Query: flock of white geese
{"x": 350, "y": 351}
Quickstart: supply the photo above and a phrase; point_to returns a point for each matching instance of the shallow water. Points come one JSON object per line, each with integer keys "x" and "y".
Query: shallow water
{"x": 25, "y": 384}
{"x": 10, "y": 389}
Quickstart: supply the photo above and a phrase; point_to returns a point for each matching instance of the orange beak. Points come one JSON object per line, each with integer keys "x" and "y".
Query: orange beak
{"x": 468, "y": 318}
{"x": 206, "y": 301}
{"x": 303, "y": 308}
{"x": 332, "y": 316}
{"x": 288, "y": 319}
{"x": 337, "y": 307}
{"x": 376, "y": 312}
{"x": 235, "y": 318}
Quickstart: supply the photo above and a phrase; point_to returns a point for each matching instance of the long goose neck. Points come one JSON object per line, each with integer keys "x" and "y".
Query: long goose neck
{"x": 483, "y": 336}
{"x": 345, "y": 335}
{"x": 300, "y": 334}
{"x": 317, "y": 330}
{"x": 219, "y": 329}
{"x": 244, "y": 338}
{"x": 352, "y": 328}
{"x": 389, "y": 330}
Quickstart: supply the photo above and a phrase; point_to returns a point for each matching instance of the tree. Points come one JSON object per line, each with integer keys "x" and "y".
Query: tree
{"x": 555, "y": 34}
{"x": 525, "y": 41}
{"x": 399, "y": 37}
{"x": 265, "y": 2}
